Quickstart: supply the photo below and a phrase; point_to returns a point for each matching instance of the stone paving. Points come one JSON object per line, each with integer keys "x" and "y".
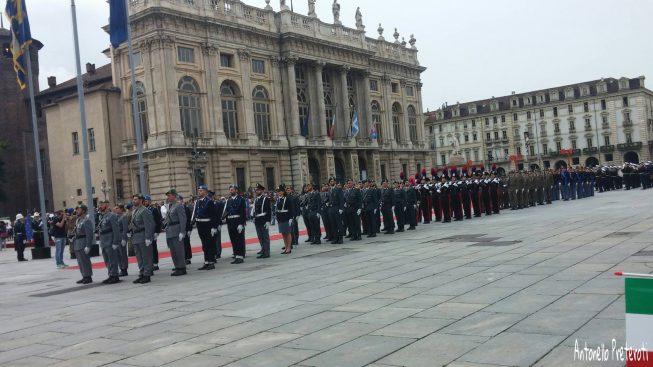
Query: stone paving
{"x": 515, "y": 289}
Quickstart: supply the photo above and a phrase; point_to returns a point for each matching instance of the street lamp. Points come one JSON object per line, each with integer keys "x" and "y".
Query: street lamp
{"x": 196, "y": 156}
{"x": 104, "y": 188}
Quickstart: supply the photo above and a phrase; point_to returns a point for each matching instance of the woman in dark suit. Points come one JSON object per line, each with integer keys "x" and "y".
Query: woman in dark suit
{"x": 285, "y": 217}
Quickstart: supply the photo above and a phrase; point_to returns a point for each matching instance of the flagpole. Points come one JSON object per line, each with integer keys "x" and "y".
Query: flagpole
{"x": 82, "y": 114}
{"x": 37, "y": 151}
{"x": 135, "y": 117}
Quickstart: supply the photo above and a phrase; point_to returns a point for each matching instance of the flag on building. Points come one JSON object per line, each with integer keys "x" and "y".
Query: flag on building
{"x": 304, "y": 127}
{"x": 354, "y": 125}
{"x": 639, "y": 321}
{"x": 374, "y": 132}
{"x": 21, "y": 37}
{"x": 117, "y": 22}
{"x": 332, "y": 129}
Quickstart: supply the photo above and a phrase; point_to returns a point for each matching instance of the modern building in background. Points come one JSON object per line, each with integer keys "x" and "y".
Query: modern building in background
{"x": 17, "y": 135}
{"x": 606, "y": 121}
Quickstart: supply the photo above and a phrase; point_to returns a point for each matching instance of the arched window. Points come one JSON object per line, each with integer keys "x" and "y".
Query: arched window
{"x": 327, "y": 85}
{"x": 412, "y": 123}
{"x": 262, "y": 113}
{"x": 376, "y": 119}
{"x": 229, "y": 97}
{"x": 141, "y": 105}
{"x": 189, "y": 107}
{"x": 396, "y": 121}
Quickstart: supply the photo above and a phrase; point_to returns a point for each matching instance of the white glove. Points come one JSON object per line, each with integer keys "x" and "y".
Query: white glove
{"x": 318, "y": 216}
{"x": 438, "y": 191}
{"x": 415, "y": 206}
{"x": 375, "y": 210}
{"x": 115, "y": 247}
{"x": 214, "y": 231}
{"x": 52, "y": 238}
{"x": 188, "y": 233}
{"x": 266, "y": 225}
{"x": 393, "y": 208}
{"x": 87, "y": 250}
{"x": 129, "y": 235}
{"x": 123, "y": 243}
{"x": 240, "y": 228}
{"x": 340, "y": 211}
{"x": 290, "y": 222}
{"x": 148, "y": 243}
{"x": 181, "y": 237}
{"x": 358, "y": 212}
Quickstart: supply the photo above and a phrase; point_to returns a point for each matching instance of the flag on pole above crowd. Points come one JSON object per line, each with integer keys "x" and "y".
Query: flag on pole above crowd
{"x": 117, "y": 22}
{"x": 374, "y": 133}
{"x": 354, "y": 125}
{"x": 21, "y": 37}
{"x": 332, "y": 129}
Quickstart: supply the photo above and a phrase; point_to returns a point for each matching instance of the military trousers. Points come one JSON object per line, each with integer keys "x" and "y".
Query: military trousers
{"x": 411, "y": 215}
{"x": 353, "y": 223}
{"x": 84, "y": 263}
{"x": 111, "y": 260}
{"x": 208, "y": 242}
{"x": 315, "y": 232}
{"x": 388, "y": 220}
{"x": 335, "y": 218}
{"x": 123, "y": 259}
{"x": 177, "y": 252}
{"x": 263, "y": 235}
{"x": 237, "y": 239}
{"x": 400, "y": 216}
{"x": 144, "y": 258}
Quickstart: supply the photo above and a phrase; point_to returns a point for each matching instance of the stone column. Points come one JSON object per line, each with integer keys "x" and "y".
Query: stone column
{"x": 291, "y": 97}
{"x": 277, "y": 98}
{"x": 212, "y": 127}
{"x": 387, "y": 101}
{"x": 170, "y": 91}
{"x": 365, "y": 120}
{"x": 320, "y": 109}
{"x": 404, "y": 111}
{"x": 355, "y": 170}
{"x": 330, "y": 163}
{"x": 420, "y": 116}
{"x": 343, "y": 110}
{"x": 246, "y": 126}
{"x": 148, "y": 81}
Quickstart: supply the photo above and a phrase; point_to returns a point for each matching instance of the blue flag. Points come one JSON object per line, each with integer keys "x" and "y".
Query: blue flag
{"x": 354, "y": 125}
{"x": 305, "y": 124}
{"x": 29, "y": 231}
{"x": 118, "y": 22}
{"x": 21, "y": 37}
{"x": 374, "y": 133}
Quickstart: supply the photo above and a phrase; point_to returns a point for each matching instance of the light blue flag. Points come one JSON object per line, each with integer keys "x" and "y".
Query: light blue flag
{"x": 354, "y": 125}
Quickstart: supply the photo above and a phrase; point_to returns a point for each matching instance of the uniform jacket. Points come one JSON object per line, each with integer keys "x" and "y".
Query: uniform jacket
{"x": 174, "y": 222}
{"x": 285, "y": 209}
{"x": 314, "y": 201}
{"x": 388, "y": 197}
{"x": 336, "y": 198}
{"x": 353, "y": 199}
{"x": 235, "y": 206}
{"x": 84, "y": 234}
{"x": 206, "y": 208}
{"x": 141, "y": 225}
{"x": 109, "y": 230}
{"x": 262, "y": 210}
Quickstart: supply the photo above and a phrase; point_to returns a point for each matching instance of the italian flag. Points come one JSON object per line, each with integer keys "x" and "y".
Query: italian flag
{"x": 639, "y": 322}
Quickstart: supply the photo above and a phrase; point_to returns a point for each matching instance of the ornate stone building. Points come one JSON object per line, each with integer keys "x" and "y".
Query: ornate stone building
{"x": 601, "y": 121}
{"x": 260, "y": 91}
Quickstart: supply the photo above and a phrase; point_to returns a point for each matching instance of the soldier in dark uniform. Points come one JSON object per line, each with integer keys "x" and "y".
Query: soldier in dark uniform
{"x": 303, "y": 209}
{"x": 19, "y": 237}
{"x": 324, "y": 211}
{"x": 336, "y": 209}
{"x": 377, "y": 202}
{"x": 369, "y": 208}
{"x": 158, "y": 227}
{"x": 411, "y": 204}
{"x": 262, "y": 214}
{"x": 456, "y": 202}
{"x": 424, "y": 207}
{"x": 235, "y": 215}
{"x": 485, "y": 193}
{"x": 495, "y": 189}
{"x": 445, "y": 197}
{"x": 474, "y": 192}
{"x": 219, "y": 209}
{"x": 465, "y": 195}
{"x": 435, "y": 196}
{"x": 188, "y": 251}
{"x": 206, "y": 216}
{"x": 108, "y": 229}
{"x": 387, "y": 206}
{"x": 293, "y": 198}
{"x": 123, "y": 222}
{"x": 353, "y": 204}
{"x": 285, "y": 217}
{"x": 314, "y": 207}
{"x": 400, "y": 206}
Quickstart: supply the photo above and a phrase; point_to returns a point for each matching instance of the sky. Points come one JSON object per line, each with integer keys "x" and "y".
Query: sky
{"x": 472, "y": 49}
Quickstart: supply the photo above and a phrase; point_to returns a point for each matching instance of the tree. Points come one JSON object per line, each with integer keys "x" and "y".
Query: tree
{"x": 3, "y": 179}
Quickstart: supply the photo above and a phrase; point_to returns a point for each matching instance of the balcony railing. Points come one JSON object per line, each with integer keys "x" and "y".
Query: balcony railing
{"x": 572, "y": 130}
{"x": 629, "y": 146}
{"x": 543, "y": 133}
{"x": 588, "y": 127}
{"x": 605, "y": 126}
{"x": 628, "y": 122}
{"x": 556, "y": 132}
{"x": 607, "y": 148}
{"x": 590, "y": 150}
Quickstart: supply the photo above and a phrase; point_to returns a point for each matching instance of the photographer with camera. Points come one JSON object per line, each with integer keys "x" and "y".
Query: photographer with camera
{"x": 57, "y": 228}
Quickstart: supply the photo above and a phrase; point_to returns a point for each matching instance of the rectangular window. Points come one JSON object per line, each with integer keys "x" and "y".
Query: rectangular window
{"x": 588, "y": 123}
{"x": 465, "y": 125}
{"x": 466, "y": 138}
{"x": 374, "y": 85}
{"x": 604, "y": 120}
{"x": 514, "y": 117}
{"x": 91, "y": 140}
{"x": 258, "y": 66}
{"x": 606, "y": 139}
{"x": 473, "y": 124}
{"x": 608, "y": 157}
{"x": 604, "y": 106}
{"x": 541, "y": 113}
{"x": 384, "y": 173}
{"x": 409, "y": 91}
{"x": 555, "y": 111}
{"x": 474, "y": 137}
{"x": 532, "y": 150}
{"x": 488, "y": 136}
{"x": 79, "y": 192}
{"x": 504, "y": 134}
{"x": 519, "y": 150}
{"x": 75, "y": 143}
{"x": 528, "y": 115}
{"x": 43, "y": 161}
{"x": 494, "y": 120}
{"x": 517, "y": 133}
{"x": 240, "y": 177}
{"x": 404, "y": 167}
{"x": 395, "y": 88}
{"x": 556, "y": 127}
{"x": 505, "y": 153}
{"x": 186, "y": 54}
{"x": 496, "y": 135}
{"x": 439, "y": 128}
{"x": 589, "y": 142}
{"x": 572, "y": 126}
{"x": 629, "y": 138}
{"x": 558, "y": 146}
{"x": 269, "y": 177}
{"x": 625, "y": 101}
{"x": 545, "y": 148}
{"x": 226, "y": 60}
{"x": 570, "y": 108}
{"x": 487, "y": 121}
{"x": 489, "y": 155}
{"x": 476, "y": 155}
{"x": 503, "y": 118}
{"x": 586, "y": 107}
{"x": 573, "y": 144}
{"x": 120, "y": 188}
{"x": 443, "y": 159}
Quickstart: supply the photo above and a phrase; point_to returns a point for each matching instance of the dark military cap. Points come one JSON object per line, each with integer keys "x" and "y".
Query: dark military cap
{"x": 104, "y": 202}
{"x": 140, "y": 196}
{"x": 260, "y": 187}
{"x": 172, "y": 192}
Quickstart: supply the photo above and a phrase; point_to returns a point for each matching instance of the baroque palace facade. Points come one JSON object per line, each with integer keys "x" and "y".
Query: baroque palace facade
{"x": 256, "y": 92}
{"x": 606, "y": 121}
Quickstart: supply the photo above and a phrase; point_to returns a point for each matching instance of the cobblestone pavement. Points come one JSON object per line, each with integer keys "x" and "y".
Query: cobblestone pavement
{"x": 515, "y": 289}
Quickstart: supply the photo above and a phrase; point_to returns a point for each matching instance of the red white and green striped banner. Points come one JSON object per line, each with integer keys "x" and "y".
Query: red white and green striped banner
{"x": 639, "y": 322}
